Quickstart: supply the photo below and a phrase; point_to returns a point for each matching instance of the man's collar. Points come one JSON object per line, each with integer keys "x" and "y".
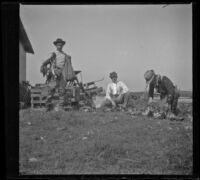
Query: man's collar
{"x": 115, "y": 82}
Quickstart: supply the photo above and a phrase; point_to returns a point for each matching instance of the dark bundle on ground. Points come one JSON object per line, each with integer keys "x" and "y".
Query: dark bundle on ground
{"x": 139, "y": 105}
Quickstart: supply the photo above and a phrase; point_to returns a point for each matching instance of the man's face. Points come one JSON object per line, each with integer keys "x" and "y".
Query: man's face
{"x": 59, "y": 46}
{"x": 114, "y": 79}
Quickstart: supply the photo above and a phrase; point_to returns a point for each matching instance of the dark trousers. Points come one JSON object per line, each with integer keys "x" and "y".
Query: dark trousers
{"x": 172, "y": 103}
{"x": 56, "y": 94}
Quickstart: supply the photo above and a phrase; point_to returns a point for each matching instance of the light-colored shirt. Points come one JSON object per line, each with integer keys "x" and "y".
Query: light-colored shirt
{"x": 114, "y": 89}
{"x": 60, "y": 58}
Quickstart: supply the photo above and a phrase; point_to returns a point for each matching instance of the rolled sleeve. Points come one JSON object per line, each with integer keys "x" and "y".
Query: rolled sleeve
{"x": 108, "y": 92}
{"x": 124, "y": 88}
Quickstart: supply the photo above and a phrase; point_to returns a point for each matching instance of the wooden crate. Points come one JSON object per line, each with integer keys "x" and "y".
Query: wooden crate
{"x": 38, "y": 97}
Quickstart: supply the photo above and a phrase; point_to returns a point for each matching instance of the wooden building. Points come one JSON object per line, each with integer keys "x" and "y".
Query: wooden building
{"x": 24, "y": 47}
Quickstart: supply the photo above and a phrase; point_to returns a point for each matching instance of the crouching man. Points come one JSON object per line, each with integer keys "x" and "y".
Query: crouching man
{"x": 169, "y": 94}
{"x": 117, "y": 93}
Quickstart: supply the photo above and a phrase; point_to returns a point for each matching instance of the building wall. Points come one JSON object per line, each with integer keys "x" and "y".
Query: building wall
{"x": 22, "y": 63}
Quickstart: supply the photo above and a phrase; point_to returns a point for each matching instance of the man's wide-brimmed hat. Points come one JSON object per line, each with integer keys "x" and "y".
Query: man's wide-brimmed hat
{"x": 113, "y": 74}
{"x": 59, "y": 40}
{"x": 149, "y": 75}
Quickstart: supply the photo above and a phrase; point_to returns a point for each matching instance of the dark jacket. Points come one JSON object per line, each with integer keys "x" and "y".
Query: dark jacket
{"x": 68, "y": 71}
{"x": 164, "y": 86}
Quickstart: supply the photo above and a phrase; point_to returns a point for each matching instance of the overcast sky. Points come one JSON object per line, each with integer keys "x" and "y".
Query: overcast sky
{"x": 128, "y": 39}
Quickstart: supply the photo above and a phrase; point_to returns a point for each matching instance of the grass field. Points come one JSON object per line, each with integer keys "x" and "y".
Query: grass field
{"x": 104, "y": 143}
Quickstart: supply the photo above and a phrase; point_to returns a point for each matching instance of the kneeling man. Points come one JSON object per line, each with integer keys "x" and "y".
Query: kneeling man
{"x": 117, "y": 93}
{"x": 169, "y": 94}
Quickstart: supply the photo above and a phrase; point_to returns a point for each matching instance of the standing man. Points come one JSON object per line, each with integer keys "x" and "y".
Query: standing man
{"x": 117, "y": 92}
{"x": 169, "y": 94}
{"x": 61, "y": 68}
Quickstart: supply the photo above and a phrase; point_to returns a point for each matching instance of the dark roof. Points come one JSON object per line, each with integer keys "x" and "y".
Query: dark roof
{"x": 24, "y": 38}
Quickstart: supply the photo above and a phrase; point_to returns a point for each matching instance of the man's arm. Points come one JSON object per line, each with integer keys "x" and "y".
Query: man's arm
{"x": 150, "y": 93}
{"x": 49, "y": 59}
{"x": 108, "y": 92}
{"x": 123, "y": 88}
{"x": 151, "y": 90}
{"x": 43, "y": 68}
